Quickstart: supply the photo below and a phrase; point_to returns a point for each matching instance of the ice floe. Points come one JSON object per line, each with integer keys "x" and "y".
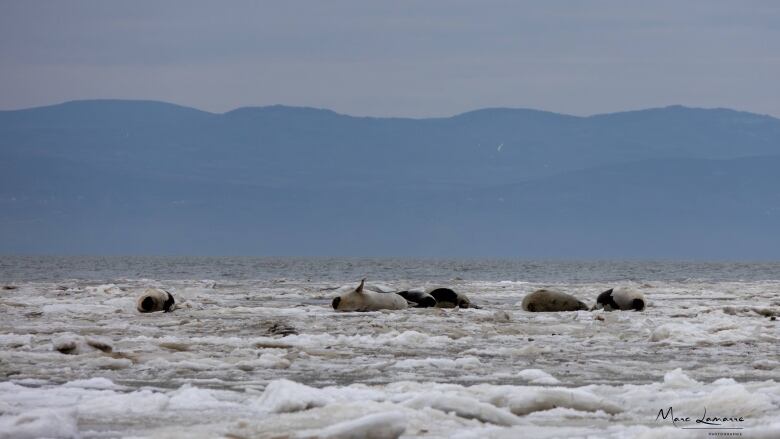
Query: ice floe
{"x": 271, "y": 358}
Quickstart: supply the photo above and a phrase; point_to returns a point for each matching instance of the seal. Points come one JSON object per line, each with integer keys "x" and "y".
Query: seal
{"x": 447, "y": 298}
{"x": 620, "y": 298}
{"x": 155, "y": 299}
{"x": 421, "y": 299}
{"x": 552, "y": 301}
{"x": 362, "y": 299}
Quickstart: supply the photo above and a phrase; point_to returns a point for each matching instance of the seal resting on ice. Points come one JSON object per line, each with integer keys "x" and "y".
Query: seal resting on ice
{"x": 552, "y": 301}
{"x": 447, "y": 298}
{"x": 155, "y": 299}
{"x": 620, "y": 298}
{"x": 362, "y": 299}
{"x": 420, "y": 299}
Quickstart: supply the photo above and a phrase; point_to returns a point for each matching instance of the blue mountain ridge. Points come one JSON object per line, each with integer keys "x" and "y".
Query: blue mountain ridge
{"x": 145, "y": 177}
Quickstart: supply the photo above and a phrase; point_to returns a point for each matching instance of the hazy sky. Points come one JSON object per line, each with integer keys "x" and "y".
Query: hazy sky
{"x": 403, "y": 58}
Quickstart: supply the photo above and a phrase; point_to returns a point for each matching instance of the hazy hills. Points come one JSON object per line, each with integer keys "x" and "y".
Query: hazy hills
{"x": 155, "y": 178}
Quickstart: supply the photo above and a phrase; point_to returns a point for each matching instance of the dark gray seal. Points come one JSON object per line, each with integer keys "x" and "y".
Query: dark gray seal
{"x": 447, "y": 298}
{"x": 552, "y": 301}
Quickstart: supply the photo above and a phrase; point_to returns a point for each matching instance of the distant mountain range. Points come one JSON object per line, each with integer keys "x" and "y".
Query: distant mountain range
{"x": 142, "y": 177}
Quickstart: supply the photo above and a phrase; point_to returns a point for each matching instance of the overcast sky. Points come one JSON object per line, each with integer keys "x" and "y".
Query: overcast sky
{"x": 401, "y": 58}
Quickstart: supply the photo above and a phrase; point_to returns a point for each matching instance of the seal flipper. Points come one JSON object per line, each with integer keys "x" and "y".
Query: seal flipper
{"x": 606, "y": 301}
{"x": 418, "y": 299}
{"x": 169, "y": 303}
{"x": 427, "y": 302}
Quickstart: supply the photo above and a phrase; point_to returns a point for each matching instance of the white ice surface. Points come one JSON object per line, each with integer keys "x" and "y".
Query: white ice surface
{"x": 263, "y": 359}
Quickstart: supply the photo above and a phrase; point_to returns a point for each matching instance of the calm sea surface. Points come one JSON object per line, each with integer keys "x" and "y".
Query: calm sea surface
{"x": 52, "y": 268}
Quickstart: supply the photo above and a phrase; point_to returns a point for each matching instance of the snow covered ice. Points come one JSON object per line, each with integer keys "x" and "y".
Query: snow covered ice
{"x": 269, "y": 358}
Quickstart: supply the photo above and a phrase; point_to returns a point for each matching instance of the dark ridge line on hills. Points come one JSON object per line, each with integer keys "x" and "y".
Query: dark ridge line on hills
{"x": 110, "y": 101}
{"x": 276, "y": 107}
{"x": 678, "y": 107}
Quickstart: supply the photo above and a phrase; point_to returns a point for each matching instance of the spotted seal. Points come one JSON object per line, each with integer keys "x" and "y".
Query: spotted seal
{"x": 545, "y": 300}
